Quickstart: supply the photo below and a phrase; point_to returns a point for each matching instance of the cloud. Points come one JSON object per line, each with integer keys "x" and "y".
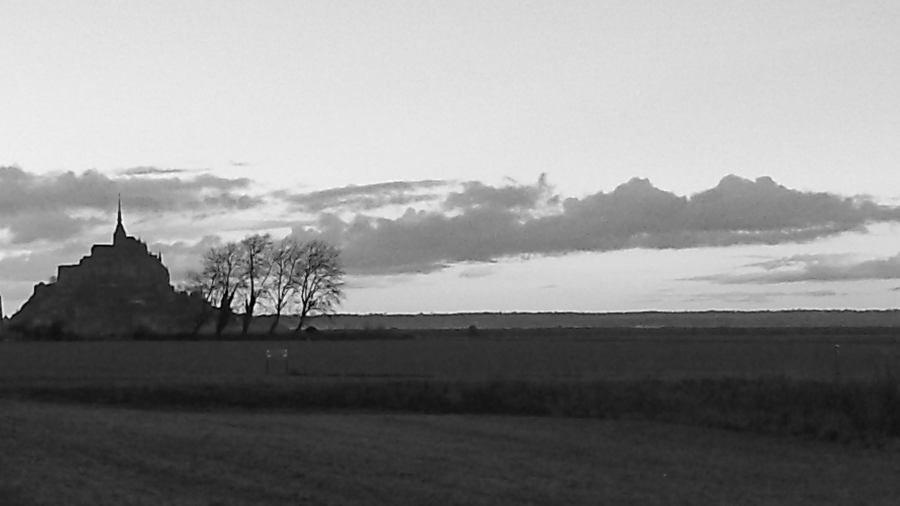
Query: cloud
{"x": 458, "y": 223}
{"x": 41, "y": 263}
{"x": 180, "y": 257}
{"x": 511, "y": 197}
{"x": 54, "y": 225}
{"x": 29, "y": 266}
{"x": 21, "y": 269}
{"x": 57, "y": 206}
{"x": 817, "y": 268}
{"x": 362, "y": 198}
{"x": 757, "y": 297}
{"x": 483, "y": 223}
{"x": 149, "y": 171}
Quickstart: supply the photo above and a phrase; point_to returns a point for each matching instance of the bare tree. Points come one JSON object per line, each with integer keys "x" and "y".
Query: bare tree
{"x": 221, "y": 269}
{"x": 319, "y": 279}
{"x": 289, "y": 274}
{"x": 255, "y": 270}
{"x": 282, "y": 284}
{"x": 203, "y": 289}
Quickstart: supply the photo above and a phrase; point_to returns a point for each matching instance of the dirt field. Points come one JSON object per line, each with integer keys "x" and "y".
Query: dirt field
{"x": 82, "y": 455}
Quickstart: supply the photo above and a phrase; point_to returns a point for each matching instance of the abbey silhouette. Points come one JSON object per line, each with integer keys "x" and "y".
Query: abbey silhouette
{"x": 117, "y": 290}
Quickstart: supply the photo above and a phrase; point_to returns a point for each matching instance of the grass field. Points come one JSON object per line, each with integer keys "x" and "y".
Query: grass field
{"x": 582, "y": 354}
{"x": 201, "y": 423}
{"x": 83, "y": 455}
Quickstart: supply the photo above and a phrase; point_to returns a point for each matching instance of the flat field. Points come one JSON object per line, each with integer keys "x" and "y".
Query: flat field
{"x": 539, "y": 355}
{"x": 208, "y": 453}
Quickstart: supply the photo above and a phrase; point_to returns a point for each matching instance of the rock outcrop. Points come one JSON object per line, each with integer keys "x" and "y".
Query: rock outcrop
{"x": 120, "y": 289}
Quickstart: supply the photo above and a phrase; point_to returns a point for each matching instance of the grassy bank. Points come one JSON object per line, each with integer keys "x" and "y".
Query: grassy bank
{"x": 867, "y": 411}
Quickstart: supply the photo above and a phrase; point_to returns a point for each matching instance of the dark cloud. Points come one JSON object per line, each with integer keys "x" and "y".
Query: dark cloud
{"x": 801, "y": 268}
{"x": 482, "y": 223}
{"x": 362, "y": 198}
{"x": 54, "y": 225}
{"x": 417, "y": 241}
{"x": 35, "y": 207}
{"x": 512, "y": 196}
{"x": 763, "y": 205}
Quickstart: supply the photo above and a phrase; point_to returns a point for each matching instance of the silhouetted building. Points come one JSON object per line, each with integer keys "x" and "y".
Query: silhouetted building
{"x": 119, "y": 289}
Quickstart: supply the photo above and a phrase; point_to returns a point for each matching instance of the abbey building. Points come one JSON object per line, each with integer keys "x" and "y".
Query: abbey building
{"x": 118, "y": 290}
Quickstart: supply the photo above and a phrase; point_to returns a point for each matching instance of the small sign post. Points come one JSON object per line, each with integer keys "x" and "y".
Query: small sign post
{"x": 277, "y": 353}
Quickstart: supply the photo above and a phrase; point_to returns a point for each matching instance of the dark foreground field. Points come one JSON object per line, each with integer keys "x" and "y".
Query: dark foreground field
{"x": 467, "y": 420}
{"x": 84, "y": 455}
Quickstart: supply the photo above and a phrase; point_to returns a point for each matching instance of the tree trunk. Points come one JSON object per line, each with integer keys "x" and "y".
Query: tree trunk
{"x": 248, "y": 315}
{"x": 275, "y": 323}
{"x": 245, "y": 323}
{"x": 302, "y": 320}
{"x": 222, "y": 319}
{"x": 204, "y": 311}
{"x": 224, "y": 314}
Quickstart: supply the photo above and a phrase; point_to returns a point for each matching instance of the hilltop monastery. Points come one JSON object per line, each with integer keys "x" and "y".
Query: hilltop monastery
{"x": 118, "y": 290}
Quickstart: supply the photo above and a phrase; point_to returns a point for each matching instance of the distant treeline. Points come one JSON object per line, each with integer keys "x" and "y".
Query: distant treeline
{"x": 668, "y": 334}
{"x": 706, "y": 324}
{"x": 647, "y": 319}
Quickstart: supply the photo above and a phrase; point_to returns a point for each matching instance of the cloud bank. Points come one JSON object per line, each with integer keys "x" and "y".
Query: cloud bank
{"x": 60, "y": 206}
{"x": 485, "y": 223}
{"x": 46, "y": 220}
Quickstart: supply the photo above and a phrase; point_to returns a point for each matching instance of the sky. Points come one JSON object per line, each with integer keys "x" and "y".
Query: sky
{"x": 468, "y": 155}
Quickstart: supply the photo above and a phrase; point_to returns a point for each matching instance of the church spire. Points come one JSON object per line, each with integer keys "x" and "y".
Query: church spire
{"x": 119, "y": 235}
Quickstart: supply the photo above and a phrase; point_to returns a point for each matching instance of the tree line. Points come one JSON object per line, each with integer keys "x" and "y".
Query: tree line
{"x": 286, "y": 276}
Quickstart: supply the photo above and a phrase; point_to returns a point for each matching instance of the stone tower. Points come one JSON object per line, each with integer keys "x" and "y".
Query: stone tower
{"x": 119, "y": 235}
